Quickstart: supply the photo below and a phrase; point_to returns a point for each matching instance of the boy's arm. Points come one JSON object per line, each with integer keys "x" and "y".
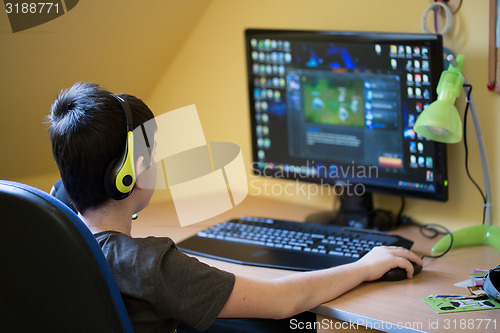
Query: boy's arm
{"x": 287, "y": 296}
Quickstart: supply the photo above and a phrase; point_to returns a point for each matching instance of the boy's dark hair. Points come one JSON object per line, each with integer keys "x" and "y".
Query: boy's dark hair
{"x": 88, "y": 131}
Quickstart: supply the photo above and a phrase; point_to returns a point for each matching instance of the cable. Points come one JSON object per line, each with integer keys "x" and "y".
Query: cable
{"x": 401, "y": 209}
{"x": 436, "y": 14}
{"x": 432, "y": 226}
{"x": 433, "y": 232}
{"x": 436, "y": 25}
{"x": 467, "y": 152}
{"x": 449, "y": 18}
{"x": 430, "y": 230}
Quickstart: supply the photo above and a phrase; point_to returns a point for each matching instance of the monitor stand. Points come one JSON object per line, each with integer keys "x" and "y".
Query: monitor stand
{"x": 356, "y": 211}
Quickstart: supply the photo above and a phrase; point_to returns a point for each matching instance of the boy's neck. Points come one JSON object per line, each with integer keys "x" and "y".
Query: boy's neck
{"x": 112, "y": 216}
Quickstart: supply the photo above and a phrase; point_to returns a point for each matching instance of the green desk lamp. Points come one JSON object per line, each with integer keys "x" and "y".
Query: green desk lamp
{"x": 440, "y": 122}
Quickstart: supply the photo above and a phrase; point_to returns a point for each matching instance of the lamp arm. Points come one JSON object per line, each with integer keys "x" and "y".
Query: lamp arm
{"x": 482, "y": 153}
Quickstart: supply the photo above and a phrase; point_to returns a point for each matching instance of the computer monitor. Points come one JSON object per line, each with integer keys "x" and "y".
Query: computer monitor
{"x": 337, "y": 109}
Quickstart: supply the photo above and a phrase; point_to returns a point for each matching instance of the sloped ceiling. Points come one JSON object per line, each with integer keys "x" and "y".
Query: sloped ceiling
{"x": 125, "y": 46}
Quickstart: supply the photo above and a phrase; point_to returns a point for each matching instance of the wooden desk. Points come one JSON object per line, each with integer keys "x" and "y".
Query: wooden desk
{"x": 379, "y": 305}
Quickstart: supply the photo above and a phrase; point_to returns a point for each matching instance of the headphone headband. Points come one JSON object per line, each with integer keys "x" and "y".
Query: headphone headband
{"x": 120, "y": 174}
{"x": 128, "y": 114}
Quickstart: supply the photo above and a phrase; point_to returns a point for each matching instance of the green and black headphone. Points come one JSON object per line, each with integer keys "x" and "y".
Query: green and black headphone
{"x": 120, "y": 175}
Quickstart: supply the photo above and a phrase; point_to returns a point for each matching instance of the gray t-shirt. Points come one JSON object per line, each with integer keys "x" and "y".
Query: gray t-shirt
{"x": 161, "y": 285}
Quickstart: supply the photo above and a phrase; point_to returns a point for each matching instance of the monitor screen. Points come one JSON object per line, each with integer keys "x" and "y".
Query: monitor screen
{"x": 338, "y": 109}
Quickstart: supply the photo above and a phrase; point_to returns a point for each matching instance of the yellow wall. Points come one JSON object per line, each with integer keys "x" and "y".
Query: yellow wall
{"x": 124, "y": 45}
{"x": 180, "y": 52}
{"x": 209, "y": 70}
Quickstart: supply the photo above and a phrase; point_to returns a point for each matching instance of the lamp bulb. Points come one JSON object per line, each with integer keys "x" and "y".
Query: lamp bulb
{"x": 438, "y": 130}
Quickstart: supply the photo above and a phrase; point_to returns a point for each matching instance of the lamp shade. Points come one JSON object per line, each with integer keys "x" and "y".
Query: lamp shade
{"x": 440, "y": 122}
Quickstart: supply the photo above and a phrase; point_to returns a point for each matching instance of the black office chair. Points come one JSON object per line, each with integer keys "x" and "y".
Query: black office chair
{"x": 53, "y": 276}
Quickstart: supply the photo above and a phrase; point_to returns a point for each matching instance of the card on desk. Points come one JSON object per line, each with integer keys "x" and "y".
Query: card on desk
{"x": 447, "y": 305}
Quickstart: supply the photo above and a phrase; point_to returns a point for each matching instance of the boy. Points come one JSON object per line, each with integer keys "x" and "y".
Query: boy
{"x": 160, "y": 285}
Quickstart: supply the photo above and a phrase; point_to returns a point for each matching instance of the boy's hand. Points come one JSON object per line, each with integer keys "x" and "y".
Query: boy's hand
{"x": 383, "y": 258}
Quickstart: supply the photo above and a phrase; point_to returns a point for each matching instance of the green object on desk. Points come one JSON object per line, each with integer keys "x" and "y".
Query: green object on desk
{"x": 470, "y": 236}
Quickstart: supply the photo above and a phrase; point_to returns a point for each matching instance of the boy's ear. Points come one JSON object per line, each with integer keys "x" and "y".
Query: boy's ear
{"x": 139, "y": 169}
{"x": 145, "y": 175}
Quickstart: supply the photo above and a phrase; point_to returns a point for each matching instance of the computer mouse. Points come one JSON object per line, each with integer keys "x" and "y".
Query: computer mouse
{"x": 398, "y": 273}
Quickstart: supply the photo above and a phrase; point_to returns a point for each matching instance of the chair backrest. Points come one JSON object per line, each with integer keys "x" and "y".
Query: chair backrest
{"x": 53, "y": 274}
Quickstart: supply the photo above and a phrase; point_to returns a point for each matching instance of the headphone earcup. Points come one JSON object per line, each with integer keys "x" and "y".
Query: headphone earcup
{"x": 119, "y": 178}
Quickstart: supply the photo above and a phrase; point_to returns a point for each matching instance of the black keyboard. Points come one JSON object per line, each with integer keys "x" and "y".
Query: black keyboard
{"x": 286, "y": 244}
